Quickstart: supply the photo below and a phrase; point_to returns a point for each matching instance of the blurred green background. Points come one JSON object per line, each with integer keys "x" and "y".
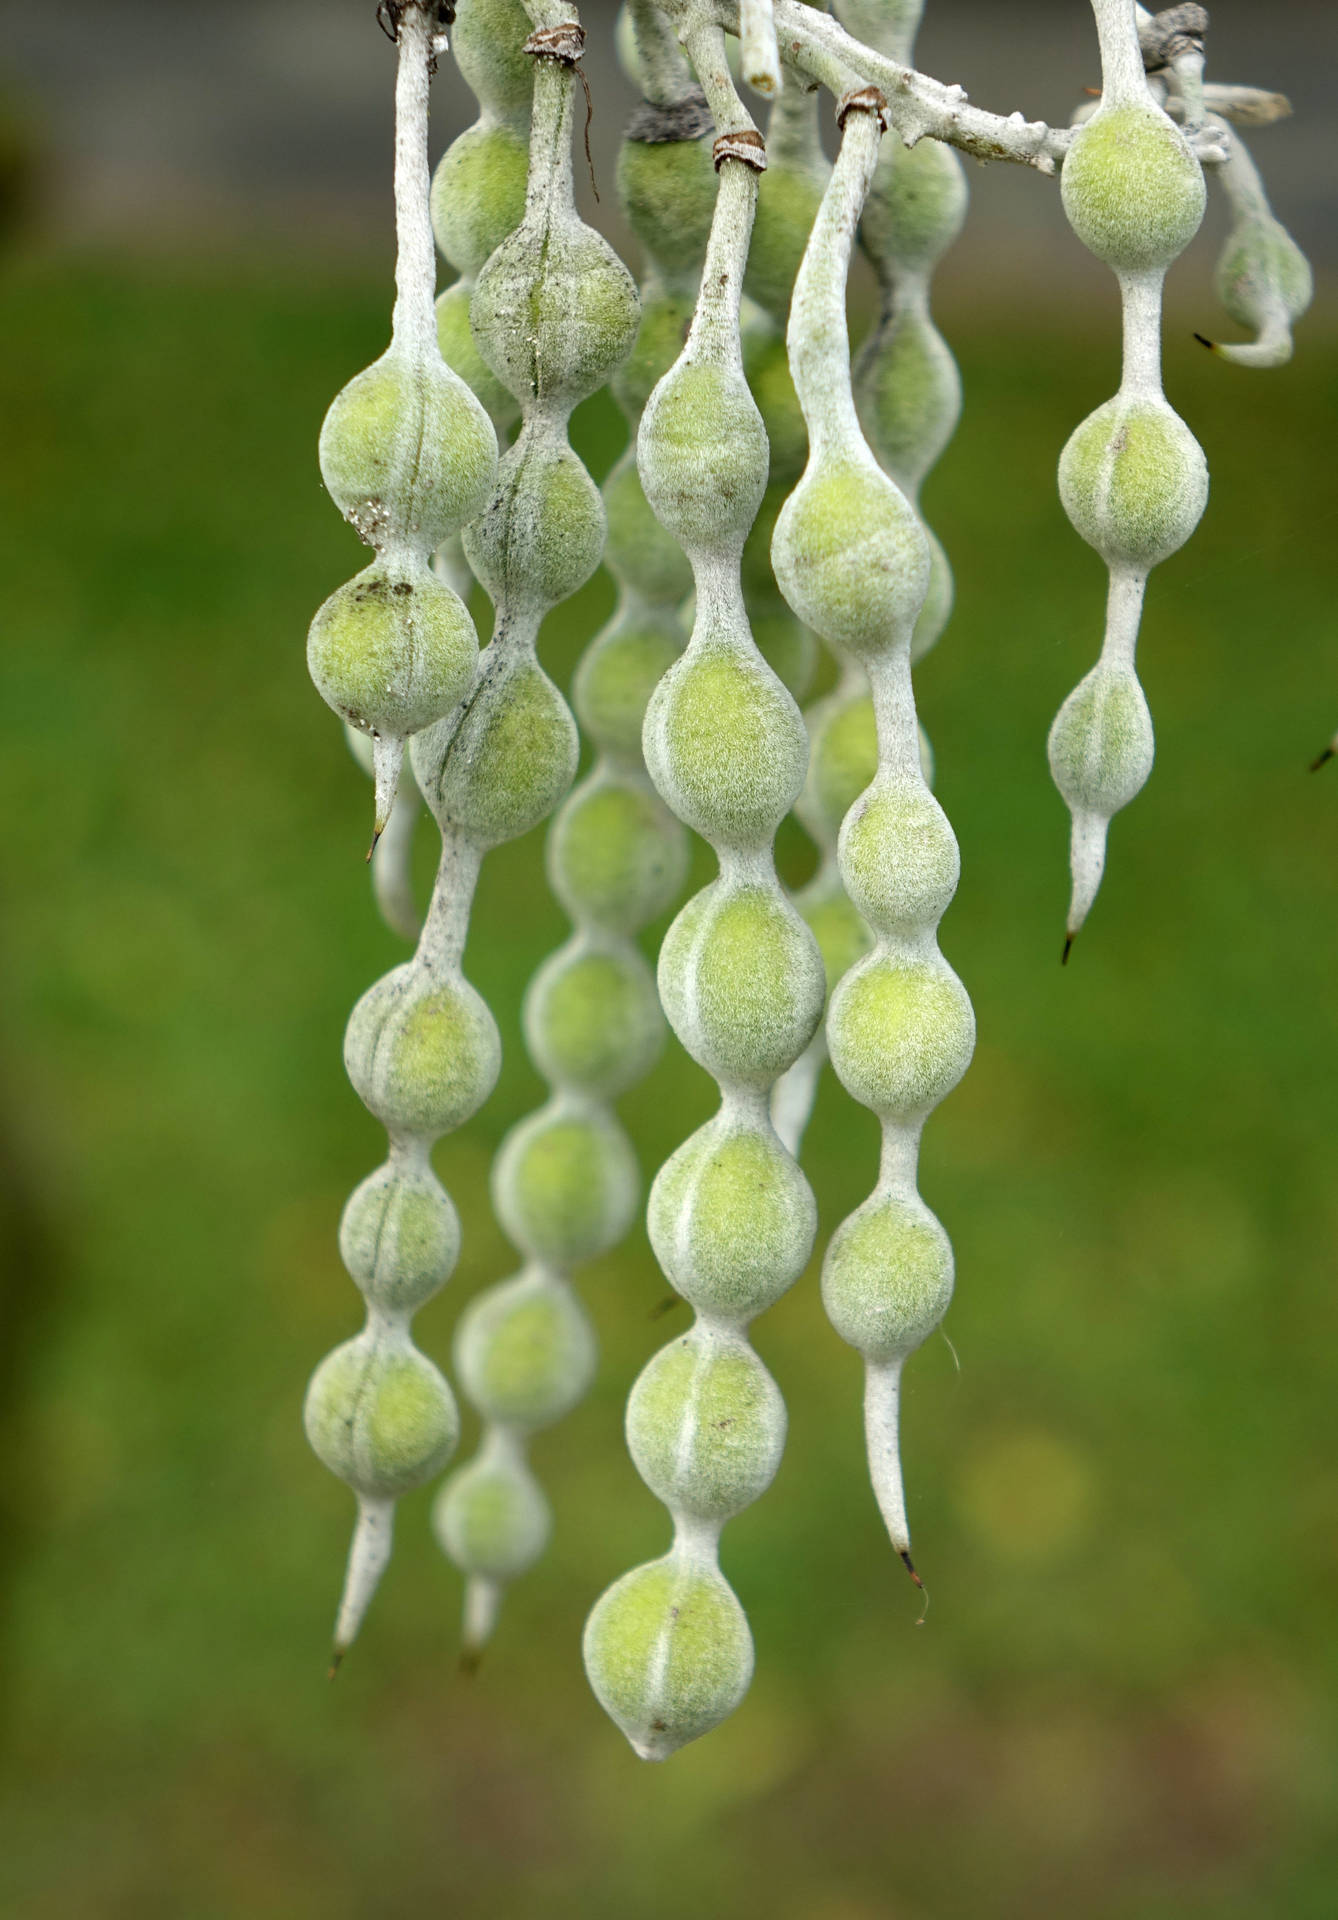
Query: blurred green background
{"x": 1122, "y": 1701}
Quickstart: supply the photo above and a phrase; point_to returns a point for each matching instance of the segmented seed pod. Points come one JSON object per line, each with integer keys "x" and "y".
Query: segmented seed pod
{"x": 731, "y": 1217}
{"x": 788, "y": 197}
{"x": 909, "y": 397}
{"x": 408, "y": 455}
{"x": 1132, "y": 477}
{"x": 392, "y": 876}
{"x": 853, "y": 560}
{"x": 478, "y": 189}
{"x": 565, "y": 1182}
{"x": 1263, "y": 279}
{"x": 407, "y": 451}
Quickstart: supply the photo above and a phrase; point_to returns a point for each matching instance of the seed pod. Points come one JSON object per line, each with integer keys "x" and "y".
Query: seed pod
{"x": 554, "y": 312}
{"x": 478, "y": 190}
{"x": 788, "y": 196}
{"x": 1263, "y": 279}
{"x": 909, "y": 396}
{"x": 1132, "y": 477}
{"x": 667, "y": 1648}
{"x": 853, "y": 561}
{"x": 408, "y": 453}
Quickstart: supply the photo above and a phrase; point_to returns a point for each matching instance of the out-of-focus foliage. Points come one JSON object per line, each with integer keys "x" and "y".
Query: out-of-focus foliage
{"x": 1122, "y": 1703}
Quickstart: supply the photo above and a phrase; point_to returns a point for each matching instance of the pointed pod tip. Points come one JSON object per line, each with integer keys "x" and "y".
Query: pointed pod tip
{"x": 903, "y": 1555}
{"x": 1323, "y": 758}
{"x": 471, "y": 1659}
{"x": 336, "y": 1661}
{"x": 1069, "y": 939}
{"x": 1204, "y": 341}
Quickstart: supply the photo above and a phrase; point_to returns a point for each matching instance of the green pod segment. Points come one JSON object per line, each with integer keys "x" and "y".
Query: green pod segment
{"x": 1134, "y": 481}
{"x": 767, "y": 366}
{"x": 788, "y": 198}
{"x": 616, "y": 857}
{"x": 1261, "y": 269}
{"x": 702, "y": 454}
{"x": 1101, "y": 745}
{"x": 509, "y": 761}
{"x": 618, "y": 673}
{"x": 842, "y": 762}
{"x": 909, "y": 396}
{"x": 887, "y": 1277}
{"x": 669, "y": 1654}
{"x": 393, "y": 649}
{"x": 492, "y": 1517}
{"x": 934, "y": 615}
{"x": 478, "y": 193}
{"x": 423, "y": 1055}
{"x": 725, "y": 744}
{"x": 381, "y": 1418}
{"x": 525, "y": 1352}
{"x": 1132, "y": 188}
{"x": 407, "y": 453}
{"x": 850, "y": 554}
{"x": 487, "y": 44}
{"x": 841, "y": 934}
{"x": 706, "y": 1426}
{"x": 592, "y": 1018}
{"x": 399, "y": 1237}
{"x": 741, "y": 981}
{"x": 901, "y": 1033}
{"x": 554, "y": 311}
{"x": 916, "y": 205}
{"x": 667, "y": 185}
{"x": 731, "y": 1219}
{"x": 565, "y": 1184}
{"x": 541, "y": 535}
{"x": 899, "y": 857}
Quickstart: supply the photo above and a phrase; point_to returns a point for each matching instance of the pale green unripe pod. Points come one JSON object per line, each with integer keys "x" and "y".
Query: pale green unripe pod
{"x": 492, "y": 1517}
{"x": 400, "y": 1236}
{"x": 901, "y": 1034}
{"x": 638, "y": 550}
{"x": 702, "y": 453}
{"x": 899, "y": 857}
{"x": 1101, "y": 745}
{"x": 554, "y": 312}
{"x": 478, "y": 194}
{"x": 1132, "y": 188}
{"x": 382, "y": 1419}
{"x": 456, "y": 345}
{"x": 887, "y": 1277}
{"x": 706, "y": 1426}
{"x": 616, "y": 858}
{"x": 664, "y": 327}
{"x": 407, "y": 453}
{"x": 668, "y": 1653}
{"x": 486, "y": 43}
{"x": 909, "y": 394}
{"x": 392, "y": 650}
{"x": 850, "y": 555}
{"x": 616, "y": 677}
{"x": 667, "y": 189}
{"x": 741, "y": 982}
{"x": 422, "y": 1055}
{"x": 593, "y": 1020}
{"x": 1261, "y": 266}
{"x": 565, "y": 1185}
{"x": 725, "y": 745}
{"x": 786, "y": 645}
{"x": 916, "y": 206}
{"x": 1134, "y": 481}
{"x": 542, "y": 534}
{"x": 731, "y": 1219}
{"x": 510, "y": 760}
{"x": 524, "y": 1352}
